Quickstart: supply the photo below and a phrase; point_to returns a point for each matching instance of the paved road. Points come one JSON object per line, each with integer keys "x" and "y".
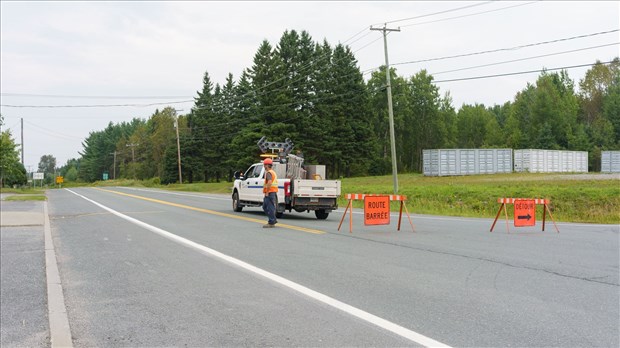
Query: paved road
{"x": 23, "y": 306}
{"x": 153, "y": 268}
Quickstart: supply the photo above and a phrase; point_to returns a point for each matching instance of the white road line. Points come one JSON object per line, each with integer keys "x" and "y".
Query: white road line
{"x": 60, "y": 332}
{"x": 370, "y": 318}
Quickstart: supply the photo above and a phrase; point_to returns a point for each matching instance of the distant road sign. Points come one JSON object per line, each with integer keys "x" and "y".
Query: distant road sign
{"x": 37, "y": 176}
{"x": 60, "y": 179}
{"x": 525, "y": 212}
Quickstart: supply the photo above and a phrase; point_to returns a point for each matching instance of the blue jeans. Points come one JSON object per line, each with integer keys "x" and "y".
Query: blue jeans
{"x": 270, "y": 203}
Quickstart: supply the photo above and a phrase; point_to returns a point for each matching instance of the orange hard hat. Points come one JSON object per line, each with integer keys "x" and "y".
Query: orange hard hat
{"x": 268, "y": 161}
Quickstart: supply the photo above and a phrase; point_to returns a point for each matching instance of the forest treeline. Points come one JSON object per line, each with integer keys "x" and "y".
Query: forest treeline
{"x": 315, "y": 94}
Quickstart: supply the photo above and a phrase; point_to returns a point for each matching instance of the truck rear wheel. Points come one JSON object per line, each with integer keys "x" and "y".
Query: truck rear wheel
{"x": 235, "y": 202}
{"x": 321, "y": 214}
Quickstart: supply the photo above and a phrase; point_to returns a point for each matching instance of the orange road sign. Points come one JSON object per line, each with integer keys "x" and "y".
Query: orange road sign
{"x": 376, "y": 210}
{"x": 362, "y": 196}
{"x": 60, "y": 179}
{"x": 532, "y": 217}
{"x": 525, "y": 212}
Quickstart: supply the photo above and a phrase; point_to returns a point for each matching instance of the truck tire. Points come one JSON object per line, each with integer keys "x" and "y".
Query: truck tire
{"x": 321, "y": 214}
{"x": 235, "y": 202}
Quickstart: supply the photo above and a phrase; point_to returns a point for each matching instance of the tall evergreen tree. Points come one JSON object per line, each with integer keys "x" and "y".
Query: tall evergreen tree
{"x": 248, "y": 123}
{"x": 195, "y": 142}
{"x": 350, "y": 115}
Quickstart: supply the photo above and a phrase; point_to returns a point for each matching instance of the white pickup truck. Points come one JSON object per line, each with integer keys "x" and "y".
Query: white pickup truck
{"x": 295, "y": 192}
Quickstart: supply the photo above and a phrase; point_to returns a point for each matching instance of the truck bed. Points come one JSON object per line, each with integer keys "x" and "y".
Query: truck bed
{"x": 316, "y": 188}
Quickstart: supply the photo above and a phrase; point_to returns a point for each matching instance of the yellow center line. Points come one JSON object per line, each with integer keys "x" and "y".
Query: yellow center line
{"x": 212, "y": 212}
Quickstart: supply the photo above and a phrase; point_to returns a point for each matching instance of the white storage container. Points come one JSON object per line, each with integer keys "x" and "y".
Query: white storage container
{"x": 445, "y": 162}
{"x": 550, "y": 161}
{"x": 610, "y": 162}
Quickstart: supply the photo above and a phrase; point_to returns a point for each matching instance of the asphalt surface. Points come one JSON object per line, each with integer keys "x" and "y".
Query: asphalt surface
{"x": 452, "y": 280}
{"x": 23, "y": 297}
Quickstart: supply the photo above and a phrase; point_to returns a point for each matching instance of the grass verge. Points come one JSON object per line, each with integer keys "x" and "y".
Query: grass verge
{"x": 26, "y": 198}
{"x": 572, "y": 198}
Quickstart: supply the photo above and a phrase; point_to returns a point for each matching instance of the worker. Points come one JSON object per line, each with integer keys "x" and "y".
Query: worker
{"x": 270, "y": 191}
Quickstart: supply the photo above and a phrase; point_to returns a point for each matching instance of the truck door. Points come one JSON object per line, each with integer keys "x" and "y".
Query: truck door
{"x": 252, "y": 186}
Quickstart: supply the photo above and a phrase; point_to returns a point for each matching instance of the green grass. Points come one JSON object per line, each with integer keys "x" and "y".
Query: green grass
{"x": 212, "y": 187}
{"x": 575, "y": 200}
{"x": 221, "y": 187}
{"x": 26, "y": 198}
{"x": 27, "y": 190}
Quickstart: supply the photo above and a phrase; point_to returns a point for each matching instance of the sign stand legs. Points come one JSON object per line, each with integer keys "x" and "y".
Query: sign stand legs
{"x": 349, "y": 206}
{"x": 351, "y": 216}
{"x": 497, "y": 216}
{"x": 402, "y": 204}
{"x": 507, "y": 224}
{"x": 546, "y": 209}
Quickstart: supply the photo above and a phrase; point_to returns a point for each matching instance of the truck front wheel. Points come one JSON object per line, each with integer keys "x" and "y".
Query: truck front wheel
{"x": 321, "y": 214}
{"x": 235, "y": 202}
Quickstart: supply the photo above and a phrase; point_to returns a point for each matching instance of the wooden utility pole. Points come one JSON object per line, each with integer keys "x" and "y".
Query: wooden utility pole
{"x": 390, "y": 111}
{"x": 114, "y": 153}
{"x": 22, "y": 119}
{"x": 176, "y": 125}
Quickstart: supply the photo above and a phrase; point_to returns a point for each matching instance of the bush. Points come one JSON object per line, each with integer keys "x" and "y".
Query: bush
{"x": 71, "y": 175}
{"x": 151, "y": 182}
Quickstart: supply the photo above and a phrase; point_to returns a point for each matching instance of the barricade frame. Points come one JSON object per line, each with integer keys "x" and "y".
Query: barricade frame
{"x": 360, "y": 196}
{"x": 538, "y": 201}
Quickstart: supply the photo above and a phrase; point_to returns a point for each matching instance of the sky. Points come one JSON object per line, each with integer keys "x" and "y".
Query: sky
{"x": 66, "y": 66}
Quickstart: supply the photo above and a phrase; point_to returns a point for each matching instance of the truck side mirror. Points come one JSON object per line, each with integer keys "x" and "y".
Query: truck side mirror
{"x": 238, "y": 175}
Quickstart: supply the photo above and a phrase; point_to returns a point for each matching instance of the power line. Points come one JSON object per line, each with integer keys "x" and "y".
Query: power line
{"x": 250, "y": 93}
{"x": 351, "y": 38}
{"x": 520, "y": 72}
{"x": 361, "y": 37}
{"x": 471, "y": 14}
{"x": 526, "y": 58}
{"x": 435, "y": 13}
{"x": 309, "y": 65}
{"x": 51, "y": 132}
{"x": 91, "y": 96}
{"x": 508, "y": 48}
{"x": 253, "y": 93}
{"x": 95, "y": 105}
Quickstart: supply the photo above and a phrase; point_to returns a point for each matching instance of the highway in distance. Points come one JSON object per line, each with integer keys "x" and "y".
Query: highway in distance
{"x": 143, "y": 267}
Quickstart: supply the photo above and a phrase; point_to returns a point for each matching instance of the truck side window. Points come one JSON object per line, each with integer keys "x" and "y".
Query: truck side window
{"x": 257, "y": 170}
{"x": 249, "y": 173}
{"x": 254, "y": 171}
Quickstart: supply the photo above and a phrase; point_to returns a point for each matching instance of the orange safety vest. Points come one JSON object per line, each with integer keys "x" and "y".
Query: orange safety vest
{"x": 274, "y": 183}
